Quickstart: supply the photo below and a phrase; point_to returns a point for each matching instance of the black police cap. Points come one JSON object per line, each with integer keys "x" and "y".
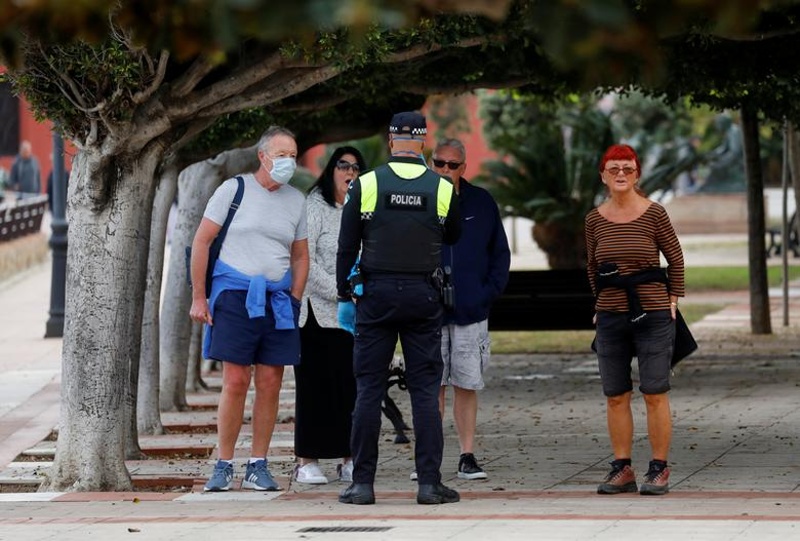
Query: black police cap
{"x": 409, "y": 122}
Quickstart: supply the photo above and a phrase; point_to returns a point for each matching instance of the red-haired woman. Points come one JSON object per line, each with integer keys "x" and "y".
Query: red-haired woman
{"x": 635, "y": 315}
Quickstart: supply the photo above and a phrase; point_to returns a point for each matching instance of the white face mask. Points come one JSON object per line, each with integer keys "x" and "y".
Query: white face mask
{"x": 282, "y": 169}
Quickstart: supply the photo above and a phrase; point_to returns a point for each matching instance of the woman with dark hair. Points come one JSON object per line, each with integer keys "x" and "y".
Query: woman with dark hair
{"x": 326, "y": 389}
{"x": 635, "y": 315}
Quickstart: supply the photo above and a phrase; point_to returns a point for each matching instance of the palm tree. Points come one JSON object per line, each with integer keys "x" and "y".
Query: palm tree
{"x": 551, "y": 149}
{"x": 549, "y": 173}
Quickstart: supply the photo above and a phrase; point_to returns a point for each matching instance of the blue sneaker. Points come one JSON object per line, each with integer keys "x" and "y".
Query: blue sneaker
{"x": 221, "y": 479}
{"x": 258, "y": 477}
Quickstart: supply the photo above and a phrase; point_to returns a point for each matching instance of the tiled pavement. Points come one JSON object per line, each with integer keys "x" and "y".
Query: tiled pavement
{"x": 736, "y": 471}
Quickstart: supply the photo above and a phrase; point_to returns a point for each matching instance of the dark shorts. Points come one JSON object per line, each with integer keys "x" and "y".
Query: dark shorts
{"x": 239, "y": 339}
{"x": 650, "y": 340}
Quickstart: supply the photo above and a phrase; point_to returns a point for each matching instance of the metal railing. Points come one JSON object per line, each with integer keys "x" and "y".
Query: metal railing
{"x": 21, "y": 214}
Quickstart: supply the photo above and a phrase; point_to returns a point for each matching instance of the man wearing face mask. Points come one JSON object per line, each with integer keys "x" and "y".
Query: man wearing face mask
{"x": 252, "y": 310}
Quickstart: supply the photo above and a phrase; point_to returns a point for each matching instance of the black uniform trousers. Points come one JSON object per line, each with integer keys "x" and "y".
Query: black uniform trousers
{"x": 410, "y": 307}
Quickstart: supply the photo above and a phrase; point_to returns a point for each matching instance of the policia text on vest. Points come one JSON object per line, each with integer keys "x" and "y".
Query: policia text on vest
{"x": 407, "y": 201}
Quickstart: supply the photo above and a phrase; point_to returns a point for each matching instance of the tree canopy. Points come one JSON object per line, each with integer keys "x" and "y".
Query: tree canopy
{"x": 211, "y": 27}
{"x": 93, "y": 89}
{"x": 310, "y": 57}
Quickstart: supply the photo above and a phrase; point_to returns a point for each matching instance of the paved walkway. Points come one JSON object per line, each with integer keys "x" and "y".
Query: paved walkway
{"x": 542, "y": 439}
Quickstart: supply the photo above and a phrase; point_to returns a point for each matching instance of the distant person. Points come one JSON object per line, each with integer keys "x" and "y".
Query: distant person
{"x": 725, "y": 161}
{"x": 325, "y": 390}
{"x": 479, "y": 262}
{"x": 252, "y": 310}
{"x": 25, "y": 177}
{"x": 635, "y": 315}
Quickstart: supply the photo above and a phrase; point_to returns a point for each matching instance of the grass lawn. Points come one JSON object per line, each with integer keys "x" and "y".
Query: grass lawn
{"x": 697, "y": 279}
{"x": 571, "y": 341}
{"x": 731, "y": 278}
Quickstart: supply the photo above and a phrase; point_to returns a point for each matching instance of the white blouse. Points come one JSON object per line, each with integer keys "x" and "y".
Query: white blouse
{"x": 323, "y": 241}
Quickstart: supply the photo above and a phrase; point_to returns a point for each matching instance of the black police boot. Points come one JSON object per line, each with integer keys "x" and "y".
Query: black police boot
{"x": 358, "y": 494}
{"x": 436, "y": 493}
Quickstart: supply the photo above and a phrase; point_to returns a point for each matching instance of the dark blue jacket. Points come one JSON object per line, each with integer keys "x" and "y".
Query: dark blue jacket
{"x": 480, "y": 259}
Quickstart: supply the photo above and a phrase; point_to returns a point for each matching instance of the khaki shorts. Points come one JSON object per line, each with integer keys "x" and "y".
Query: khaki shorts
{"x": 465, "y": 351}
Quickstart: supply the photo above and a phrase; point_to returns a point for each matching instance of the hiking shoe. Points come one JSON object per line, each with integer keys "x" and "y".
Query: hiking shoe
{"x": 345, "y": 471}
{"x": 258, "y": 477}
{"x": 413, "y": 475}
{"x": 221, "y": 479}
{"x": 358, "y": 494}
{"x": 309, "y": 474}
{"x": 468, "y": 467}
{"x": 656, "y": 481}
{"x": 620, "y": 479}
{"x": 436, "y": 493}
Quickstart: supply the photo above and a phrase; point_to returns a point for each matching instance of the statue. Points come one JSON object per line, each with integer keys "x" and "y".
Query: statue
{"x": 726, "y": 161}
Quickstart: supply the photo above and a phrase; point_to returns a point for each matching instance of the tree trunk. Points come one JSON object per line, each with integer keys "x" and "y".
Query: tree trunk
{"x": 194, "y": 377}
{"x": 196, "y": 183}
{"x": 760, "y": 321}
{"x": 148, "y": 415}
{"x": 565, "y": 247}
{"x": 110, "y": 206}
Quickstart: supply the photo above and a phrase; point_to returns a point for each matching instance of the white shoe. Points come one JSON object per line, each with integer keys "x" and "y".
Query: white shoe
{"x": 413, "y": 475}
{"x": 309, "y": 474}
{"x": 345, "y": 471}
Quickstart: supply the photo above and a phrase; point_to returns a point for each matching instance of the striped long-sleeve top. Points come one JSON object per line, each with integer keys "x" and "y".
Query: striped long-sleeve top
{"x": 634, "y": 246}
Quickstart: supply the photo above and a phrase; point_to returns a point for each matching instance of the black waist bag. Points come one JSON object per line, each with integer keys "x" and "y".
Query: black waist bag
{"x": 685, "y": 343}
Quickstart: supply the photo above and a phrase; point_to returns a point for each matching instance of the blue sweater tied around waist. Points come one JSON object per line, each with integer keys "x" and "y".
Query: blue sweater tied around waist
{"x": 227, "y": 278}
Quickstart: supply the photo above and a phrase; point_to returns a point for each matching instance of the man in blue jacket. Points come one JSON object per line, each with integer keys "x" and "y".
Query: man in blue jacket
{"x": 25, "y": 178}
{"x": 479, "y": 264}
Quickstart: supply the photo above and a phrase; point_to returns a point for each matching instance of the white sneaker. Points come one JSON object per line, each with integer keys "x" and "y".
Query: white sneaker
{"x": 309, "y": 474}
{"x": 345, "y": 471}
{"x": 413, "y": 475}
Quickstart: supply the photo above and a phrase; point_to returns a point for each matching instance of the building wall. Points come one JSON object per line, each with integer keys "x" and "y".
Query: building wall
{"x": 477, "y": 150}
{"x": 41, "y": 137}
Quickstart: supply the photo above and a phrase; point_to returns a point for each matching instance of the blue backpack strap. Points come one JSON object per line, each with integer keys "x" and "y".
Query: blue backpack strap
{"x": 237, "y": 200}
{"x": 216, "y": 244}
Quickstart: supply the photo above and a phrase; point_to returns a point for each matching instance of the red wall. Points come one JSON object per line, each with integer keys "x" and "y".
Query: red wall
{"x": 477, "y": 151}
{"x": 41, "y": 138}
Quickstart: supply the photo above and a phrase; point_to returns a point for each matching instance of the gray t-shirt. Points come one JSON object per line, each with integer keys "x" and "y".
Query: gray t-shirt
{"x": 260, "y": 237}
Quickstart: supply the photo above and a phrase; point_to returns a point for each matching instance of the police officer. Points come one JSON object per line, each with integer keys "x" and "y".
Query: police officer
{"x": 398, "y": 216}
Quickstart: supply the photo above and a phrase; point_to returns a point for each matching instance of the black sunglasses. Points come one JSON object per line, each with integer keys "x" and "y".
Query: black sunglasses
{"x": 450, "y": 165}
{"x": 344, "y": 165}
